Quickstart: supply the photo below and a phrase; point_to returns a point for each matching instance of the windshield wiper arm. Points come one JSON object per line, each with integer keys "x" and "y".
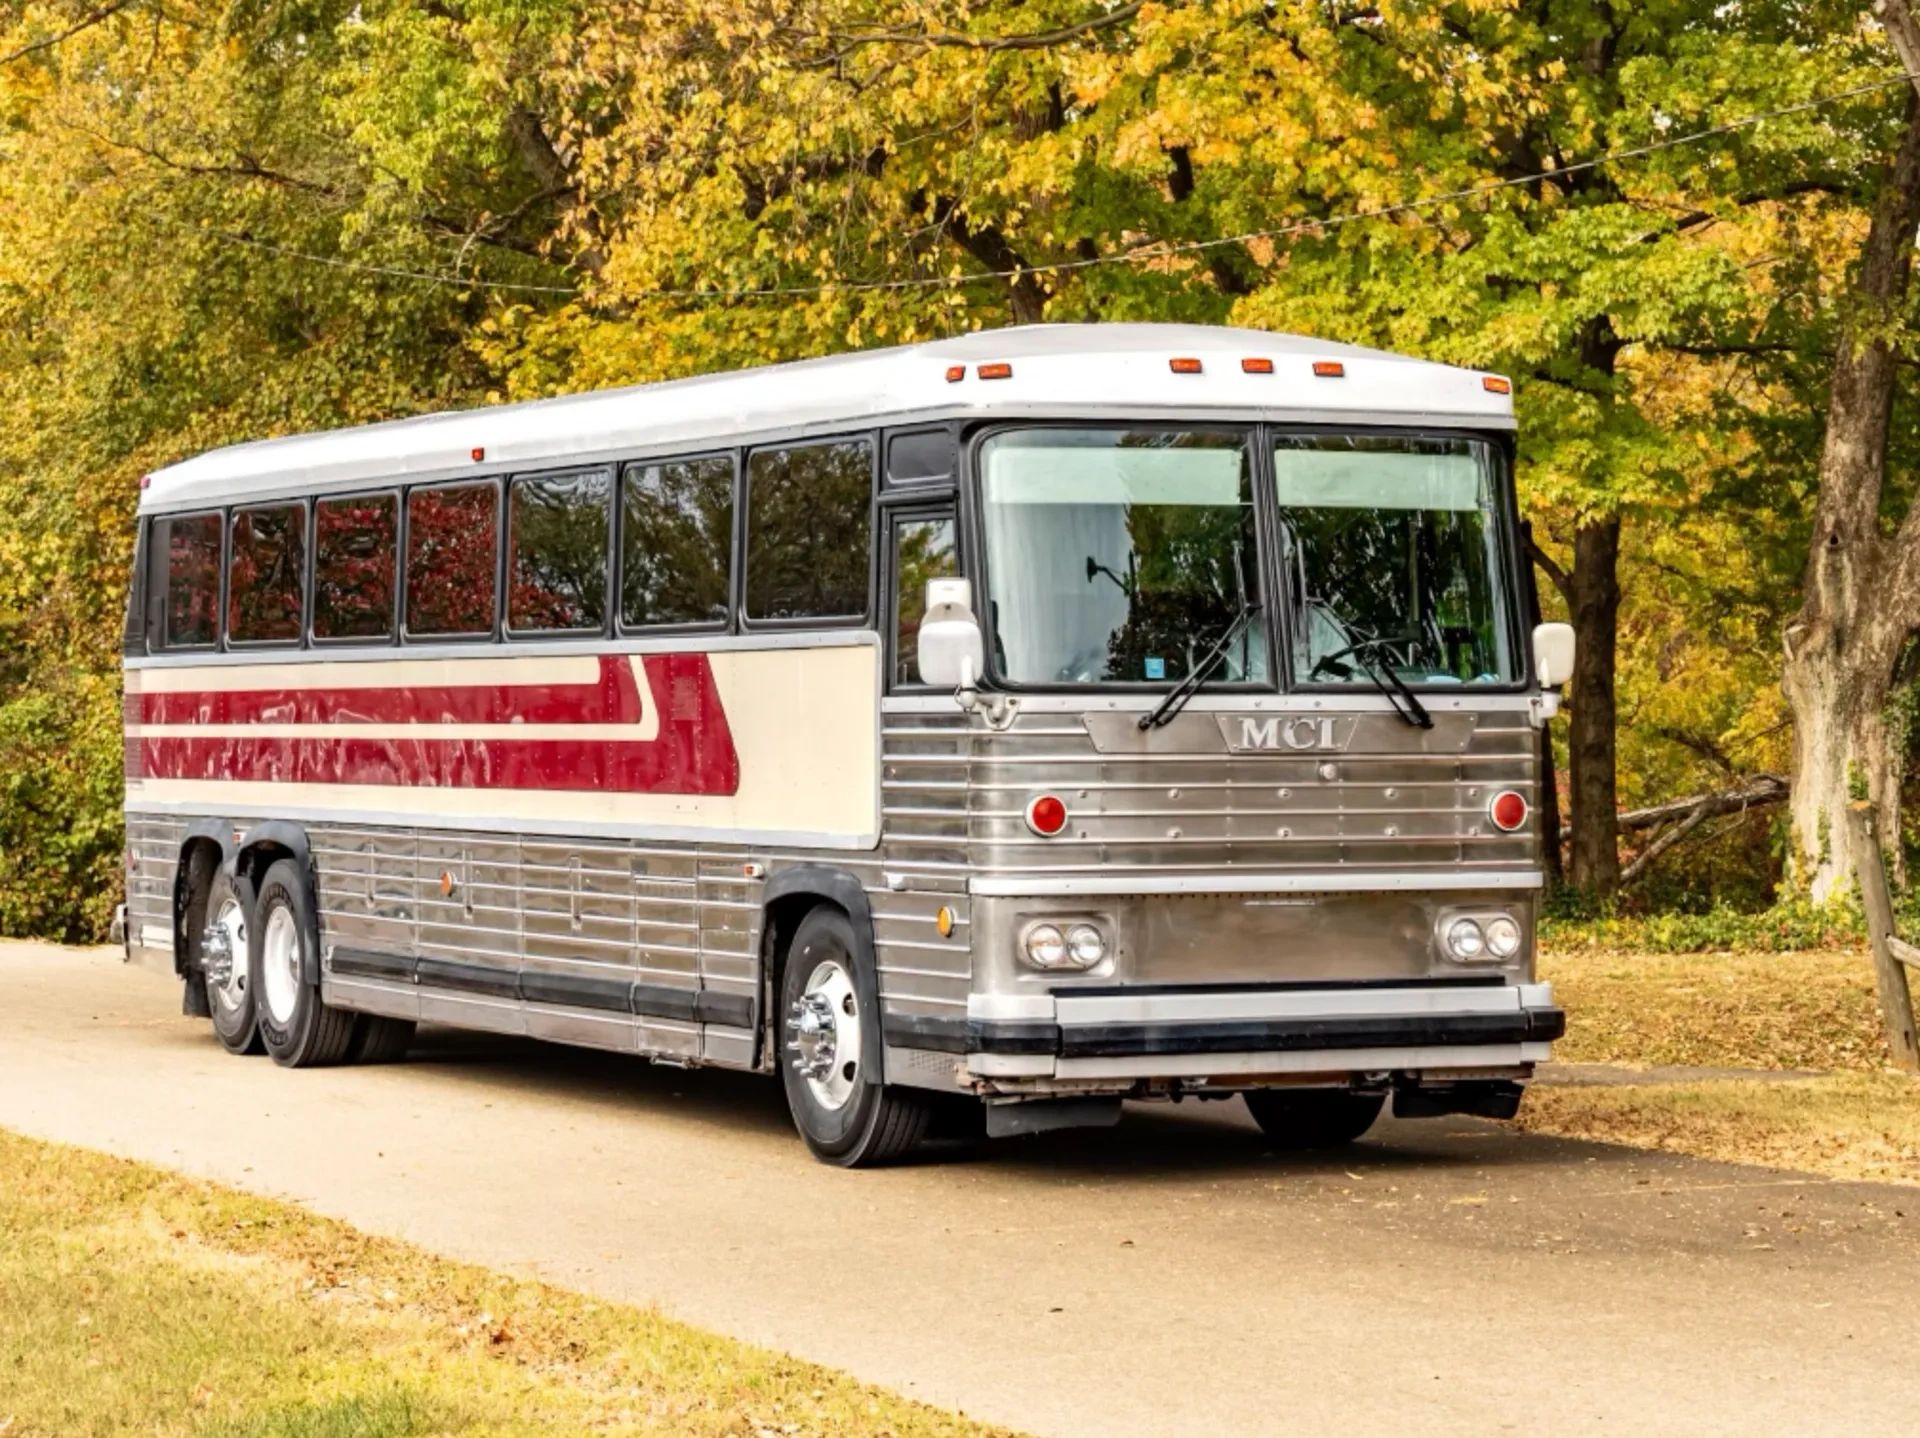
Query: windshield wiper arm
{"x": 1404, "y": 701}
{"x": 1177, "y": 697}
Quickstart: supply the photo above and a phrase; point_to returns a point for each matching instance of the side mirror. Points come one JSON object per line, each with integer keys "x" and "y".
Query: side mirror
{"x": 950, "y": 646}
{"x": 1553, "y": 654}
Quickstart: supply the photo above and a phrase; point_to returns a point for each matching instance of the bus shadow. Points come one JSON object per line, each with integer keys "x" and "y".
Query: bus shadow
{"x": 1152, "y": 1143}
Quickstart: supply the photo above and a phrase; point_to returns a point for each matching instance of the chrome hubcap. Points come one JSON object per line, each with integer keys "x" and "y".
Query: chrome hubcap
{"x": 280, "y": 965}
{"x": 823, "y": 1034}
{"x": 223, "y": 955}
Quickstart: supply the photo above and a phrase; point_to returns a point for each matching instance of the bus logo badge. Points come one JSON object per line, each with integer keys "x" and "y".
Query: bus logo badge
{"x": 1281, "y": 733}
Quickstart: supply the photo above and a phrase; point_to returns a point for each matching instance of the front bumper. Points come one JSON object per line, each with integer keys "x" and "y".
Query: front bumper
{"x": 1290, "y": 1031}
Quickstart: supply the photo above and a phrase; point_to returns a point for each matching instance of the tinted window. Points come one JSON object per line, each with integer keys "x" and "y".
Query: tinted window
{"x": 193, "y": 580}
{"x": 353, "y": 564}
{"x": 453, "y": 546}
{"x": 808, "y": 543}
{"x": 923, "y": 549}
{"x": 676, "y": 541}
{"x": 557, "y": 538}
{"x": 267, "y": 574}
{"x": 921, "y": 454}
{"x": 133, "y": 637}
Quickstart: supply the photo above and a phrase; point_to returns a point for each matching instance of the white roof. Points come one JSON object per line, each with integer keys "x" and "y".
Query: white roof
{"x": 1058, "y": 371}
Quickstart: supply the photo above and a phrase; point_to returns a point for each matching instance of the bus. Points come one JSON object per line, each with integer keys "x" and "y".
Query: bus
{"x": 977, "y": 734}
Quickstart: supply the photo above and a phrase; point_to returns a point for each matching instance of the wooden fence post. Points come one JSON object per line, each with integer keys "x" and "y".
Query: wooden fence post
{"x": 1889, "y": 963}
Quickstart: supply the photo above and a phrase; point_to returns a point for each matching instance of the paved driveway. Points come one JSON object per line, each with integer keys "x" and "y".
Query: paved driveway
{"x": 1167, "y": 1277}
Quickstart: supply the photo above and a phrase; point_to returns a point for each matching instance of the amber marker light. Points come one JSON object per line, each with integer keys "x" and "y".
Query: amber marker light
{"x": 478, "y": 454}
{"x": 995, "y": 371}
{"x": 1329, "y": 369}
{"x": 1184, "y": 366}
{"x": 956, "y": 373}
{"x": 1257, "y": 366}
{"x": 943, "y": 921}
{"x": 1496, "y": 384}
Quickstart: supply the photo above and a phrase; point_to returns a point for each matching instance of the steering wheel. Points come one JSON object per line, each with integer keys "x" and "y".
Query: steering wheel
{"x": 1410, "y": 636}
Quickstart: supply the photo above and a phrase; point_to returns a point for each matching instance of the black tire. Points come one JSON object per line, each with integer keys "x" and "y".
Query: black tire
{"x": 876, "y": 1124}
{"x": 312, "y": 1033}
{"x": 380, "y": 1040}
{"x": 1302, "y": 1120}
{"x": 231, "y": 1006}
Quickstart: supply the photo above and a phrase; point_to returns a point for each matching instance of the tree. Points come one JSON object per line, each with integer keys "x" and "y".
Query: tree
{"x": 1850, "y": 642}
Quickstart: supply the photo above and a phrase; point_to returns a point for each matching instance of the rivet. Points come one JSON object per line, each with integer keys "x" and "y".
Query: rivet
{"x": 1392, "y": 793}
{"x": 1285, "y": 832}
{"x": 1284, "y": 793}
{"x": 1173, "y": 833}
{"x": 1392, "y": 832}
{"x": 1173, "y": 793}
{"x": 1329, "y": 772}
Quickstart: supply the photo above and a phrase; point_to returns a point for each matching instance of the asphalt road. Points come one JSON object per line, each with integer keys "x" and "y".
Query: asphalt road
{"x": 1167, "y": 1277}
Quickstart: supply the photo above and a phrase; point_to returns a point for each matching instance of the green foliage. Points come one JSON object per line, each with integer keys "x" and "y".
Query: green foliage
{"x": 1792, "y": 925}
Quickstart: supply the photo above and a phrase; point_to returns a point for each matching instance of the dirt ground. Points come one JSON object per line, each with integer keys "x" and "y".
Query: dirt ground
{"x": 1167, "y": 1277}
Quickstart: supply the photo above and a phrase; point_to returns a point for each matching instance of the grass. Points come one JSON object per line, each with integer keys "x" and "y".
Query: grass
{"x": 1813, "y": 1012}
{"x": 137, "y": 1301}
{"x": 1854, "y": 1125}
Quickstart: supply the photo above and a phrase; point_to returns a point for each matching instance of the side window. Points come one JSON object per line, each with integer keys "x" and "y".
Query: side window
{"x": 557, "y": 551}
{"x": 267, "y": 574}
{"x": 133, "y": 636}
{"x": 354, "y": 545}
{"x": 676, "y": 541}
{"x": 923, "y": 548}
{"x": 193, "y": 580}
{"x": 915, "y": 456}
{"x": 453, "y": 549}
{"x": 809, "y": 539}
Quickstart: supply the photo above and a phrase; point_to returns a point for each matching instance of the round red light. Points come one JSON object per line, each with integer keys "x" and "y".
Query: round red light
{"x": 1508, "y": 811}
{"x": 1046, "y": 816}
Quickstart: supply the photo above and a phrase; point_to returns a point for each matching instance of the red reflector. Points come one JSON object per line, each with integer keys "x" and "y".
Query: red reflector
{"x": 1496, "y": 384}
{"x": 145, "y": 480}
{"x": 956, "y": 373}
{"x": 478, "y": 454}
{"x": 1046, "y": 816}
{"x": 1184, "y": 366}
{"x": 995, "y": 371}
{"x": 1508, "y": 811}
{"x": 1257, "y": 366}
{"x": 1329, "y": 369}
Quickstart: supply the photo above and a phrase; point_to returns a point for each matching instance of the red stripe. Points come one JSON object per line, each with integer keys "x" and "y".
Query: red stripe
{"x": 693, "y": 754}
{"x": 611, "y": 699}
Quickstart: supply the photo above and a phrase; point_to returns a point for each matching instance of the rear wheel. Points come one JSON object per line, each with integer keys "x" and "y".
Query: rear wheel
{"x": 224, "y": 969}
{"x": 830, "y": 1052}
{"x": 1306, "y": 1119}
{"x": 299, "y": 1030}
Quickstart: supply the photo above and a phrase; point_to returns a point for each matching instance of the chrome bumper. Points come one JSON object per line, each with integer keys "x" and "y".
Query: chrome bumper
{"x": 1279, "y": 1029}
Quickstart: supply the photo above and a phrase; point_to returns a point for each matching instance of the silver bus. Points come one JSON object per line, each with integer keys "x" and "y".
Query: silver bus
{"x": 976, "y": 734}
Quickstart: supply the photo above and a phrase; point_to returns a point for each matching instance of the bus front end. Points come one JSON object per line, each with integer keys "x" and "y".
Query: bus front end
{"x": 1253, "y": 773}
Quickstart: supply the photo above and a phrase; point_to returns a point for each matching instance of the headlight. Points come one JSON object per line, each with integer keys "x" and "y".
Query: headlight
{"x": 1086, "y": 945}
{"x": 1503, "y": 938}
{"x": 1464, "y": 939}
{"x": 1046, "y": 949}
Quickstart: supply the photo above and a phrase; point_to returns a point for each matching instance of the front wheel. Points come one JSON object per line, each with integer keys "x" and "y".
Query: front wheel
{"x": 830, "y": 1052}
{"x": 299, "y": 1030}
{"x": 1307, "y": 1119}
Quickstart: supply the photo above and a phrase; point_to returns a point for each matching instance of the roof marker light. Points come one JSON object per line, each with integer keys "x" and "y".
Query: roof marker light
{"x": 956, "y": 373}
{"x": 1496, "y": 384}
{"x": 478, "y": 454}
{"x": 145, "y": 480}
{"x": 1329, "y": 369}
{"x": 994, "y": 371}
{"x": 1257, "y": 366}
{"x": 1184, "y": 366}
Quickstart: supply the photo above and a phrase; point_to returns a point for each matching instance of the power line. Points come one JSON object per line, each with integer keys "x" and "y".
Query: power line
{"x": 1131, "y": 257}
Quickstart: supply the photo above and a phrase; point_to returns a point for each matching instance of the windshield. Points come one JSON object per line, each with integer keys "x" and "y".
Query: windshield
{"x": 1392, "y": 559}
{"x": 1120, "y": 555}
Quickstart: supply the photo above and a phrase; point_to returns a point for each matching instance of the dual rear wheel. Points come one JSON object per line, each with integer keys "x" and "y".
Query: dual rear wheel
{"x": 259, "y": 958}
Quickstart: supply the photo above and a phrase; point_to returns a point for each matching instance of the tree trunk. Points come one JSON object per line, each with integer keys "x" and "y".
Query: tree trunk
{"x": 1861, "y": 596}
{"x": 1594, "y": 599}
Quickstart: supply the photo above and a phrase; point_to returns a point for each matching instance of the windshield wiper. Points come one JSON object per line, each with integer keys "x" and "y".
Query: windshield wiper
{"x": 1177, "y": 697}
{"x": 1387, "y": 680}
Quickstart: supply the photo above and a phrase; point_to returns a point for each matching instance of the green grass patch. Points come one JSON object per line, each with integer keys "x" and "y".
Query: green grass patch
{"x": 135, "y": 1301}
{"x": 1791, "y": 926}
